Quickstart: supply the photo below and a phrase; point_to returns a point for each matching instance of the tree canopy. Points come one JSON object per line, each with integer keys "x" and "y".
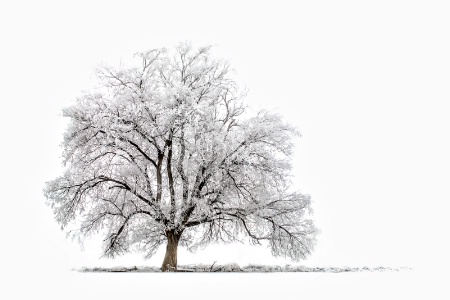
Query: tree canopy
{"x": 164, "y": 151}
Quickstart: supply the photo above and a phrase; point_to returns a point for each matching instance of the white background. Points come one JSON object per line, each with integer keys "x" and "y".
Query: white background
{"x": 366, "y": 82}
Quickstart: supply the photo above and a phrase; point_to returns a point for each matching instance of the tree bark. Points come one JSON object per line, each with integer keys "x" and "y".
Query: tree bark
{"x": 170, "y": 259}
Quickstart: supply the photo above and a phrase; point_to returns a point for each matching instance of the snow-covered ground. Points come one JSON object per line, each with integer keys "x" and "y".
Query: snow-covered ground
{"x": 47, "y": 274}
{"x": 350, "y": 285}
{"x": 251, "y": 268}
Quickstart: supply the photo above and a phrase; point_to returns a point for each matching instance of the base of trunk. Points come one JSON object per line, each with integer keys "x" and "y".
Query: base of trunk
{"x": 170, "y": 259}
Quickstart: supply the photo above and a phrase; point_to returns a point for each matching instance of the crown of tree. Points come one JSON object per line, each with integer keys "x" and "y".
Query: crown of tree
{"x": 164, "y": 151}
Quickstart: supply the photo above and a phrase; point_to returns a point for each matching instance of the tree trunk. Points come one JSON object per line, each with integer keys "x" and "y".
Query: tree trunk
{"x": 170, "y": 260}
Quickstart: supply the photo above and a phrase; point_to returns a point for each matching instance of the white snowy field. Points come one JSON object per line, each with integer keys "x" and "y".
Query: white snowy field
{"x": 357, "y": 285}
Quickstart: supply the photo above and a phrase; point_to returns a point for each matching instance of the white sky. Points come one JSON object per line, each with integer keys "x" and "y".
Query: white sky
{"x": 366, "y": 82}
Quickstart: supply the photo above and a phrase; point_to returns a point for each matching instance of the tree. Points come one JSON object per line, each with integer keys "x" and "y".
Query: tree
{"x": 164, "y": 152}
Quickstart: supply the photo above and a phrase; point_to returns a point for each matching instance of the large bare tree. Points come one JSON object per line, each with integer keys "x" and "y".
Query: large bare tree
{"x": 163, "y": 151}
